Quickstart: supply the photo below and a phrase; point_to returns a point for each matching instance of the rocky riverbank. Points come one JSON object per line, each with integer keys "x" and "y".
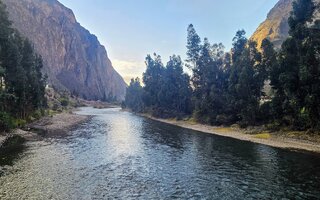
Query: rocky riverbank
{"x": 56, "y": 125}
{"x": 271, "y": 139}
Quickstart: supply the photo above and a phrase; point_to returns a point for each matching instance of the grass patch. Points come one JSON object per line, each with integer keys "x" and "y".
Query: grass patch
{"x": 172, "y": 119}
{"x": 223, "y": 129}
{"x": 301, "y": 135}
{"x": 52, "y": 112}
{"x": 191, "y": 121}
{"x": 20, "y": 123}
{"x": 262, "y": 136}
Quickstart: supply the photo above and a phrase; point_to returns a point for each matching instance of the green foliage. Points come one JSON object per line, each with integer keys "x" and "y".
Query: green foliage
{"x": 166, "y": 92}
{"x": 22, "y": 86}
{"x": 134, "y": 96}
{"x": 265, "y": 114}
{"x": 193, "y": 46}
{"x": 38, "y": 114}
{"x": 296, "y": 80}
{"x": 64, "y": 101}
{"x": 175, "y": 92}
{"x": 6, "y": 122}
{"x": 209, "y": 83}
{"x": 227, "y": 88}
{"x": 20, "y": 123}
{"x": 153, "y": 80}
{"x": 51, "y": 113}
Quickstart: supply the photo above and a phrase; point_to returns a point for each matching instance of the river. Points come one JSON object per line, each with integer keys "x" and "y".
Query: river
{"x": 118, "y": 155}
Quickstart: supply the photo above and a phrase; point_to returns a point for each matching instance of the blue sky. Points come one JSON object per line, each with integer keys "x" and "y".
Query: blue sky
{"x": 131, "y": 29}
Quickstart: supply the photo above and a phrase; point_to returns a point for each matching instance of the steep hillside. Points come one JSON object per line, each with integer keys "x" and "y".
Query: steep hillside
{"x": 275, "y": 27}
{"x": 74, "y": 58}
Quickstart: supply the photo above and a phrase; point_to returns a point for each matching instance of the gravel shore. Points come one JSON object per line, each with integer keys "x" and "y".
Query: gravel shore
{"x": 58, "y": 124}
{"x": 274, "y": 140}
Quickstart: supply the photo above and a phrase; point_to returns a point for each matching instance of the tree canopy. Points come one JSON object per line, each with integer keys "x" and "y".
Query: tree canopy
{"x": 22, "y": 85}
{"x": 227, "y": 88}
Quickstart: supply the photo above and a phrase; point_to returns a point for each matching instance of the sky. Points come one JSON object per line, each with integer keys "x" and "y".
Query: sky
{"x": 131, "y": 29}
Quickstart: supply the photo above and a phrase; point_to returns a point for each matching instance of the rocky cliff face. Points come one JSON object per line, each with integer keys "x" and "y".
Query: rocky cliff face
{"x": 276, "y": 26}
{"x": 74, "y": 59}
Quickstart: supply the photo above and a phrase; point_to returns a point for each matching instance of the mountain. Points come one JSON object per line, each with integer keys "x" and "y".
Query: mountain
{"x": 276, "y": 26}
{"x": 73, "y": 57}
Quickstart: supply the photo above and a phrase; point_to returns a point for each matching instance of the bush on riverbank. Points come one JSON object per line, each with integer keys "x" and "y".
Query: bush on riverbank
{"x": 6, "y": 122}
{"x": 20, "y": 123}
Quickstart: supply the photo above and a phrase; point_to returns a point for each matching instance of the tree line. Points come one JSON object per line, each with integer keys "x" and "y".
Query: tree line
{"x": 22, "y": 85}
{"x": 229, "y": 87}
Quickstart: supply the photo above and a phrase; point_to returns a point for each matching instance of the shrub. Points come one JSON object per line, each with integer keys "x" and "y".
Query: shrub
{"x": 50, "y": 113}
{"x": 56, "y": 106}
{"x": 265, "y": 112}
{"x": 37, "y": 114}
{"x": 275, "y": 126}
{"x": 19, "y": 123}
{"x": 64, "y": 102}
{"x": 6, "y": 122}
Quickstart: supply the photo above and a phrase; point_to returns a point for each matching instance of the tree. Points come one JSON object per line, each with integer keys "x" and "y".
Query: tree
{"x": 153, "y": 80}
{"x": 239, "y": 43}
{"x": 269, "y": 60}
{"x": 246, "y": 81}
{"x": 193, "y": 46}
{"x": 167, "y": 91}
{"x": 176, "y": 91}
{"x": 5, "y": 25}
{"x": 297, "y": 81}
{"x": 22, "y": 86}
{"x": 209, "y": 82}
{"x": 249, "y": 85}
{"x": 15, "y": 78}
{"x": 269, "y": 68}
{"x": 134, "y": 95}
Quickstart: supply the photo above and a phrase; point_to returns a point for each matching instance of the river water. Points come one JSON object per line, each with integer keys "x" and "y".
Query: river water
{"x": 118, "y": 155}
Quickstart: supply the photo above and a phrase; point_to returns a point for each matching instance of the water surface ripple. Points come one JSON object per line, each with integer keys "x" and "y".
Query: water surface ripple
{"x": 118, "y": 155}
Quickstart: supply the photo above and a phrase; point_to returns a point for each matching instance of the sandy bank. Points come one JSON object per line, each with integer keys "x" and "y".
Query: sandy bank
{"x": 58, "y": 124}
{"x": 274, "y": 140}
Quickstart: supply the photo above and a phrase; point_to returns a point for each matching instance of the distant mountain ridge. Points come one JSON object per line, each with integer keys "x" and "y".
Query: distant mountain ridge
{"x": 276, "y": 27}
{"x": 73, "y": 57}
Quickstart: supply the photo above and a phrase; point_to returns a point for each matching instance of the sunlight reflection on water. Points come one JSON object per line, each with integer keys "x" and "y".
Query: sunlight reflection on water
{"x": 119, "y": 155}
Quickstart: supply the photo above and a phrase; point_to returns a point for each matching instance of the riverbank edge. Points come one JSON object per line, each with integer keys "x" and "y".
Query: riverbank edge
{"x": 57, "y": 125}
{"x": 273, "y": 140}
